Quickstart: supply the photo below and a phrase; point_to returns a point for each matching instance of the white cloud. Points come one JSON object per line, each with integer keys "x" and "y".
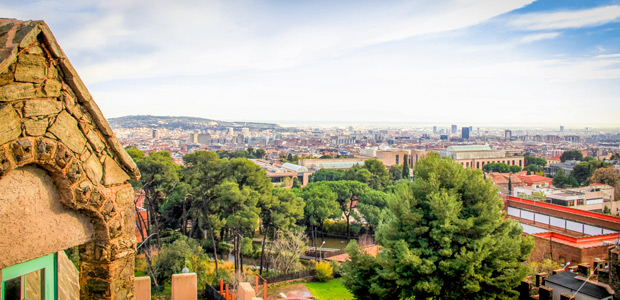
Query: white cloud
{"x": 115, "y": 40}
{"x": 537, "y": 37}
{"x": 567, "y": 19}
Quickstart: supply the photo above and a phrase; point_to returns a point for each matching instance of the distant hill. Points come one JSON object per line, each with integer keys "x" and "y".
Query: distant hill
{"x": 187, "y": 123}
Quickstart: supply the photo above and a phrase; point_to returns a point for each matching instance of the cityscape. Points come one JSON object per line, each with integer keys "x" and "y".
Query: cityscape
{"x": 264, "y": 149}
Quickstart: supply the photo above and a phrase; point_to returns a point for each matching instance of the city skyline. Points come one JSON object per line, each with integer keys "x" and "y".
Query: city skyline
{"x": 443, "y": 62}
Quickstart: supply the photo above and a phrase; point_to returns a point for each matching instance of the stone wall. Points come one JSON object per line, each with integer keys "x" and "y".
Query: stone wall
{"x": 49, "y": 120}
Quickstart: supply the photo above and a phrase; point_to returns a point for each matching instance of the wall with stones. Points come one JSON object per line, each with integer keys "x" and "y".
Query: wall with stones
{"x": 34, "y": 218}
{"x": 49, "y": 120}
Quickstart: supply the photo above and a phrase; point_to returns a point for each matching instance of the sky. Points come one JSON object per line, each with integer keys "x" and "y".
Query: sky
{"x": 466, "y": 62}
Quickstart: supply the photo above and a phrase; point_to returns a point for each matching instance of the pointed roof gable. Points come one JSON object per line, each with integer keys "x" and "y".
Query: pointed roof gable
{"x": 16, "y": 35}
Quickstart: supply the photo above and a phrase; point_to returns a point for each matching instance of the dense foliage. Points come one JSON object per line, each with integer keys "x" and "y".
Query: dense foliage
{"x": 501, "y": 168}
{"x": 446, "y": 238}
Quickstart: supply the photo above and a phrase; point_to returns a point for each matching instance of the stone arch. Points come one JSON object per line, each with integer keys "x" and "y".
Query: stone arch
{"x": 107, "y": 207}
{"x": 49, "y": 120}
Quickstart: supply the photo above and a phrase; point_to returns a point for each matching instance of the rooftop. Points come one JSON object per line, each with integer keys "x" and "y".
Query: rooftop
{"x": 469, "y": 148}
{"x": 573, "y": 282}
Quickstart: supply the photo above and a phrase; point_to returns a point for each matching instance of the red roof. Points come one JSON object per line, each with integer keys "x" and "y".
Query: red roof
{"x": 535, "y": 179}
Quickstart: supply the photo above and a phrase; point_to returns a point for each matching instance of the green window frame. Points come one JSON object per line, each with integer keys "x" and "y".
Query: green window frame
{"x": 46, "y": 263}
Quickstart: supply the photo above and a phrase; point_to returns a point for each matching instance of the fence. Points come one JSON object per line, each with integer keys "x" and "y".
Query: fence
{"x": 290, "y": 276}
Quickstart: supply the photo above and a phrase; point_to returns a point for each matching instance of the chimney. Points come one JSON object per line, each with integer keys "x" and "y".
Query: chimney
{"x": 524, "y": 290}
{"x": 540, "y": 279}
{"x": 599, "y": 265}
{"x": 566, "y": 296}
{"x": 545, "y": 293}
{"x": 584, "y": 269}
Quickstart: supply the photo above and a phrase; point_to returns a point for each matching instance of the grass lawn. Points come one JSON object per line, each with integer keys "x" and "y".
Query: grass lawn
{"x": 331, "y": 290}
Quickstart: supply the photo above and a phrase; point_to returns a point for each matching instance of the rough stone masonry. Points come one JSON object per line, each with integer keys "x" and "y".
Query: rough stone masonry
{"x": 48, "y": 119}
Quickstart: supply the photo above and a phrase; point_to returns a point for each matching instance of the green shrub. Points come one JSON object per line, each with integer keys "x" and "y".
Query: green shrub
{"x": 225, "y": 247}
{"x": 324, "y": 271}
{"x": 337, "y": 268}
{"x": 224, "y": 275}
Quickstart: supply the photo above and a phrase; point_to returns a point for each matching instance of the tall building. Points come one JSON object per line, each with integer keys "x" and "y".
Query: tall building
{"x": 193, "y": 138}
{"x": 508, "y": 135}
{"x": 453, "y": 129}
{"x": 561, "y": 128}
{"x": 245, "y": 131}
{"x": 465, "y": 132}
{"x": 434, "y": 129}
{"x": 155, "y": 134}
{"x": 231, "y": 131}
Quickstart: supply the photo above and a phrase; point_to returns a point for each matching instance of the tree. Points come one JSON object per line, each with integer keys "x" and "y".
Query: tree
{"x": 532, "y": 168}
{"x": 405, "y": 169}
{"x": 320, "y": 205}
{"x": 584, "y": 170}
{"x": 396, "y": 172}
{"x": 446, "y": 239}
{"x": 260, "y": 153}
{"x": 327, "y": 175}
{"x": 282, "y": 212}
{"x": 253, "y": 189}
{"x": 609, "y": 176}
{"x": 250, "y": 152}
{"x": 501, "y": 168}
{"x": 241, "y": 214}
{"x": 532, "y": 160}
{"x": 287, "y": 247}
{"x": 159, "y": 177}
{"x": 581, "y": 172}
{"x": 171, "y": 258}
{"x": 561, "y": 180}
{"x": 371, "y": 205}
{"x": 296, "y": 183}
{"x": 571, "y": 155}
{"x": 203, "y": 172}
{"x": 347, "y": 191}
{"x": 380, "y": 178}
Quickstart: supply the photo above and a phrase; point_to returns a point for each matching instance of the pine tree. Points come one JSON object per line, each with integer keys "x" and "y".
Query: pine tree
{"x": 446, "y": 238}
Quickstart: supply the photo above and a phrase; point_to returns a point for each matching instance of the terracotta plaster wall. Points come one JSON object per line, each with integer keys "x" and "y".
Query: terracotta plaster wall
{"x": 34, "y": 221}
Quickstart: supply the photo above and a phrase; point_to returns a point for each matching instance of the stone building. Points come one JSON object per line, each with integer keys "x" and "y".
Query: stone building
{"x": 476, "y": 156}
{"x": 63, "y": 174}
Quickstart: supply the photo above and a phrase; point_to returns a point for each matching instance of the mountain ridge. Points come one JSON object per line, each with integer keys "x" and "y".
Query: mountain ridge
{"x": 183, "y": 122}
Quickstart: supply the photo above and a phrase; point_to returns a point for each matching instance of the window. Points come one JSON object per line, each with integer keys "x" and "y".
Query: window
{"x": 34, "y": 279}
{"x": 478, "y": 165}
{"x": 397, "y": 159}
{"x": 579, "y": 201}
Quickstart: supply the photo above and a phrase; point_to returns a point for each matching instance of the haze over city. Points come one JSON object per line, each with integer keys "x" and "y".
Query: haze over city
{"x": 352, "y": 62}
